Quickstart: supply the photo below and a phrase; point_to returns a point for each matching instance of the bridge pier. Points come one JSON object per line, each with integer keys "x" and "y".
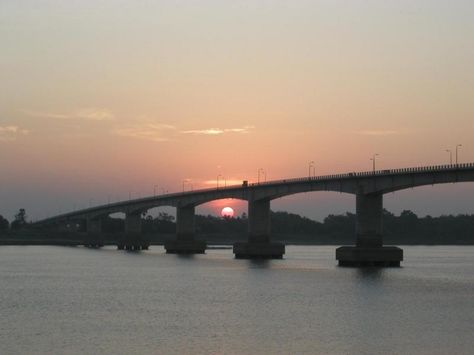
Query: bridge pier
{"x": 133, "y": 239}
{"x": 369, "y": 249}
{"x": 69, "y": 227}
{"x": 259, "y": 245}
{"x": 185, "y": 243}
{"x": 94, "y": 237}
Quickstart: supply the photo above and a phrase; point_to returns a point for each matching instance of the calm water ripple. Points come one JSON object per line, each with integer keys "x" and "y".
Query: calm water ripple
{"x": 56, "y": 300}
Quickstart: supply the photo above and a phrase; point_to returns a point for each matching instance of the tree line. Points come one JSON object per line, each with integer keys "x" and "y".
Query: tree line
{"x": 406, "y": 228}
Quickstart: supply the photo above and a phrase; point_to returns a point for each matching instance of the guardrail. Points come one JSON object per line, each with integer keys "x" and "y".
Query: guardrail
{"x": 421, "y": 169}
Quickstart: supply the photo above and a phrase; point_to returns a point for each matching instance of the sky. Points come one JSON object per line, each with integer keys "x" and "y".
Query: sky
{"x": 105, "y": 100}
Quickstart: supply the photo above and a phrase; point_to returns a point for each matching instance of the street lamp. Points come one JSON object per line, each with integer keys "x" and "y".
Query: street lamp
{"x": 260, "y": 170}
{"x": 311, "y": 165}
{"x": 218, "y": 180}
{"x": 450, "y": 156}
{"x": 189, "y": 182}
{"x": 154, "y": 190}
{"x": 457, "y": 146}
{"x": 373, "y": 161}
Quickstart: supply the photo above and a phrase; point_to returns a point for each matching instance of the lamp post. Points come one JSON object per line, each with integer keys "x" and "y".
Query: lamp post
{"x": 311, "y": 166}
{"x": 260, "y": 170}
{"x": 218, "y": 176}
{"x": 450, "y": 156}
{"x": 373, "y": 161}
{"x": 457, "y": 146}
{"x": 154, "y": 190}
{"x": 189, "y": 183}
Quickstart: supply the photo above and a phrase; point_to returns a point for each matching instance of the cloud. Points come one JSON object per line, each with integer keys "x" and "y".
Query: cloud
{"x": 91, "y": 114}
{"x": 377, "y": 132}
{"x": 218, "y": 131}
{"x": 11, "y": 133}
{"x": 95, "y": 114}
{"x": 156, "y": 132}
{"x": 209, "y": 131}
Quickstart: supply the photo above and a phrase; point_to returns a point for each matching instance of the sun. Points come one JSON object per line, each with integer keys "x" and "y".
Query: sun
{"x": 227, "y": 212}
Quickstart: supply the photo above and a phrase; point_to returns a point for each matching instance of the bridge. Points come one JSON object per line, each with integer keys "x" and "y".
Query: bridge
{"x": 368, "y": 188}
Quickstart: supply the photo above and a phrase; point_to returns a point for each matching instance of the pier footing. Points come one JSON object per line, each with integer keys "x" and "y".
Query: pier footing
{"x": 254, "y": 250}
{"x": 185, "y": 247}
{"x": 384, "y": 256}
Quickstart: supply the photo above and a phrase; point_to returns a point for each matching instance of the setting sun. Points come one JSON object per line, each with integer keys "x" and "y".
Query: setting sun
{"x": 227, "y": 212}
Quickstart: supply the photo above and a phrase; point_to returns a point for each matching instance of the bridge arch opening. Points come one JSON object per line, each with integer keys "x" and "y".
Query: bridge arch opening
{"x": 159, "y": 220}
{"x": 215, "y": 207}
{"x": 434, "y": 200}
{"x": 113, "y": 223}
{"x": 215, "y": 227}
{"x": 315, "y": 205}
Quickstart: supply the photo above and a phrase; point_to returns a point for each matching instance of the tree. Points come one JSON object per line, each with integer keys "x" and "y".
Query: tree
{"x": 20, "y": 219}
{"x": 3, "y": 224}
{"x": 163, "y": 216}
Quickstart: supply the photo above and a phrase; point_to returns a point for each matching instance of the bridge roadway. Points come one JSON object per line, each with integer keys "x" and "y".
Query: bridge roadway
{"x": 368, "y": 187}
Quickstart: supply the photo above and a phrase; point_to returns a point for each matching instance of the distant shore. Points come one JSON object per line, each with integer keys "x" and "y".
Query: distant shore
{"x": 214, "y": 240}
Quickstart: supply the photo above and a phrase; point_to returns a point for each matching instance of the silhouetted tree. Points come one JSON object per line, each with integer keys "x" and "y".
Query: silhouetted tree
{"x": 20, "y": 219}
{"x": 3, "y": 224}
{"x": 163, "y": 223}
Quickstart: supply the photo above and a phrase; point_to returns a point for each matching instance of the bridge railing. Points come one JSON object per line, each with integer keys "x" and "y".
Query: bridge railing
{"x": 385, "y": 172}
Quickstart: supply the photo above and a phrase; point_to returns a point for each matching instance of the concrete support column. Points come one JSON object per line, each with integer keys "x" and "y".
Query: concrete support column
{"x": 185, "y": 223}
{"x": 259, "y": 231}
{"x": 94, "y": 237}
{"x": 369, "y": 209}
{"x": 94, "y": 226}
{"x": 133, "y": 240}
{"x": 69, "y": 226}
{"x": 369, "y": 249}
{"x": 259, "y": 225}
{"x": 133, "y": 223}
{"x": 185, "y": 243}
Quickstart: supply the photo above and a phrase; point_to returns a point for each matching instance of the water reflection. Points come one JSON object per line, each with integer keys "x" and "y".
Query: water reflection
{"x": 258, "y": 263}
{"x": 370, "y": 273}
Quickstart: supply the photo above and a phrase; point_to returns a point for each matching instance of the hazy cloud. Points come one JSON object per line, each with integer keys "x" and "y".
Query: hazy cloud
{"x": 155, "y": 132}
{"x": 377, "y": 132}
{"x": 91, "y": 114}
{"x": 11, "y": 133}
{"x": 217, "y": 131}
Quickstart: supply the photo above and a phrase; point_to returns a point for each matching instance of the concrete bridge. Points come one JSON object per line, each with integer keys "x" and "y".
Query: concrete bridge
{"x": 368, "y": 187}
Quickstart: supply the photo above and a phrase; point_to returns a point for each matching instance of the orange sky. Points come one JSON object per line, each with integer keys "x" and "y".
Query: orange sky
{"x": 100, "y": 100}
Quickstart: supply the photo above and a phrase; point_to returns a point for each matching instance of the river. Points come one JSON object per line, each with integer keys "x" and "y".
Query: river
{"x": 66, "y": 300}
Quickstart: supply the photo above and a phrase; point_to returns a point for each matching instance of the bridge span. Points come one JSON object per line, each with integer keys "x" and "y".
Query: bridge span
{"x": 368, "y": 188}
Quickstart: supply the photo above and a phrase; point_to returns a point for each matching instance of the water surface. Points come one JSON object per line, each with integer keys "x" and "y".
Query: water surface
{"x": 76, "y": 300}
